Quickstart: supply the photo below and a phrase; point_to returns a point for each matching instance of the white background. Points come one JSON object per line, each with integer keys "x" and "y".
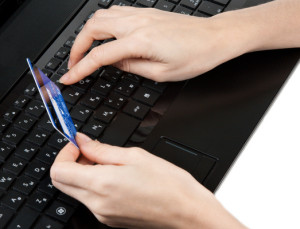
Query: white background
{"x": 265, "y": 193}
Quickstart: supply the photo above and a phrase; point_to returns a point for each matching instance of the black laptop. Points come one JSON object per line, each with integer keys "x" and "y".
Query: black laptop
{"x": 200, "y": 125}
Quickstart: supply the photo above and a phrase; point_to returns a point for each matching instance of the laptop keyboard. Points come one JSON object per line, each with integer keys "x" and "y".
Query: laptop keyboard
{"x": 108, "y": 105}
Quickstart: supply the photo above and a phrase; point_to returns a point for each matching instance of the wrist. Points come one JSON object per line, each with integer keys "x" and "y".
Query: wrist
{"x": 203, "y": 210}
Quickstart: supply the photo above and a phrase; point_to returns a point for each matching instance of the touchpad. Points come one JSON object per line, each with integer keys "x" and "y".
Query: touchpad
{"x": 195, "y": 162}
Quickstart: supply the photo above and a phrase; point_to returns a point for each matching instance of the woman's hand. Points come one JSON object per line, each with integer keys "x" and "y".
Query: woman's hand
{"x": 129, "y": 187}
{"x": 159, "y": 45}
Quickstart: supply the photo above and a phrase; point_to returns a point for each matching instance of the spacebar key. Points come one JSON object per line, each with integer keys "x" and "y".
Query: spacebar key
{"x": 120, "y": 130}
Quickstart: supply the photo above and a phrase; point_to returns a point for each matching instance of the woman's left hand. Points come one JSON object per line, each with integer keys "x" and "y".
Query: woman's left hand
{"x": 129, "y": 187}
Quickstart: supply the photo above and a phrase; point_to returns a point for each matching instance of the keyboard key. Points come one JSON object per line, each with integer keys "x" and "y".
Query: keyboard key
{"x": 13, "y": 199}
{"x": 24, "y": 219}
{"x": 21, "y": 101}
{"x": 62, "y": 53}
{"x": 68, "y": 199}
{"x": 115, "y": 101}
{"x": 53, "y": 64}
{"x": 25, "y": 122}
{"x": 11, "y": 114}
{"x": 146, "y": 96}
{"x": 5, "y": 150}
{"x": 47, "y": 187}
{"x": 111, "y": 74}
{"x": 6, "y": 180}
{"x": 5, "y": 215}
{"x": 93, "y": 128}
{"x": 14, "y": 165}
{"x": 63, "y": 69}
{"x": 94, "y": 45}
{"x": 38, "y": 201}
{"x": 200, "y": 14}
{"x": 136, "y": 109}
{"x": 105, "y": 114}
{"x": 83, "y": 85}
{"x": 35, "y": 108}
{"x": 132, "y": 77}
{"x": 47, "y": 155}
{"x": 121, "y": 3}
{"x": 13, "y": 136}
{"x": 105, "y": 3}
{"x": 57, "y": 141}
{"x": 120, "y": 130}
{"x": 147, "y": 3}
{"x": 164, "y": 5}
{"x": 46, "y": 124}
{"x": 183, "y": 10}
{"x": 222, "y": 2}
{"x": 26, "y": 151}
{"x": 159, "y": 87}
{"x": 192, "y": 4}
{"x": 71, "y": 96}
{"x": 91, "y": 100}
{"x": 48, "y": 223}
{"x": 47, "y": 72}
{"x": 60, "y": 211}
{"x": 210, "y": 8}
{"x": 3, "y": 125}
{"x": 36, "y": 169}
{"x": 37, "y": 137}
{"x": 125, "y": 87}
{"x": 77, "y": 124}
{"x": 55, "y": 78}
{"x": 79, "y": 28}
{"x": 30, "y": 90}
{"x": 80, "y": 113}
{"x": 69, "y": 43}
{"x": 102, "y": 87}
{"x": 90, "y": 15}
{"x": 175, "y": 1}
{"x": 24, "y": 184}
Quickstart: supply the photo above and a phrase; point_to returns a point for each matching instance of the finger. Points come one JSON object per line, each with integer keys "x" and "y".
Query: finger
{"x": 94, "y": 29}
{"x": 143, "y": 67}
{"x": 105, "y": 54}
{"x": 68, "y": 153}
{"x": 65, "y": 169}
{"x": 72, "y": 173}
{"x": 102, "y": 153}
{"x": 84, "y": 161}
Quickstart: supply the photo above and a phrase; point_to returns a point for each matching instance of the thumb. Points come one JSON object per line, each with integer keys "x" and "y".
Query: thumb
{"x": 101, "y": 153}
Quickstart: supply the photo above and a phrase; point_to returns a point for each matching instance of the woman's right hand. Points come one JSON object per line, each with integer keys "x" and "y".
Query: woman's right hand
{"x": 158, "y": 45}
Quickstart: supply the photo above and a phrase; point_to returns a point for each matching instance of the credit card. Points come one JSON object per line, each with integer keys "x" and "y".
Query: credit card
{"x": 54, "y": 103}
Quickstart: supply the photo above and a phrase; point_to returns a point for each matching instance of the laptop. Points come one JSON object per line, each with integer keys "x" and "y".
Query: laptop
{"x": 200, "y": 125}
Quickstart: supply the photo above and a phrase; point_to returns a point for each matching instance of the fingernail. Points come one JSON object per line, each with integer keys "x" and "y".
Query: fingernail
{"x": 69, "y": 64}
{"x": 83, "y": 138}
{"x": 64, "y": 78}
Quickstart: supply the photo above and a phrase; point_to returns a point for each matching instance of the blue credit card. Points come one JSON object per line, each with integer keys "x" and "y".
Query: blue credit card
{"x": 54, "y": 104}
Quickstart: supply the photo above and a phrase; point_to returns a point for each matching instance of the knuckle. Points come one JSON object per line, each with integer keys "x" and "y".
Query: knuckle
{"x": 90, "y": 23}
{"x": 96, "y": 53}
{"x": 99, "y": 13}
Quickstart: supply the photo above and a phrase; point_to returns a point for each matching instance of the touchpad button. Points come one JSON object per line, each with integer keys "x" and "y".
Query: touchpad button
{"x": 195, "y": 162}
